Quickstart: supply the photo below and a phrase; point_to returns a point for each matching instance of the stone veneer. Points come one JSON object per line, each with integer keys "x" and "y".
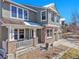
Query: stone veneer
{"x": 11, "y": 49}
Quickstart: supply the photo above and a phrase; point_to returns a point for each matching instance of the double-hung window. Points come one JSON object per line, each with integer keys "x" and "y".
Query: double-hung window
{"x": 13, "y": 11}
{"x": 49, "y": 33}
{"x": 20, "y": 13}
{"x": 21, "y": 34}
{"x": 25, "y": 14}
{"x": 43, "y": 15}
{"x": 52, "y": 17}
{"x": 15, "y": 34}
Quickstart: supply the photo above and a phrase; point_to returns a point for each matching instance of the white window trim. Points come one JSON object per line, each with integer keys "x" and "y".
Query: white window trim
{"x": 49, "y": 32}
{"x": 45, "y": 15}
{"x": 27, "y": 14}
{"x": 11, "y": 12}
{"x": 17, "y": 13}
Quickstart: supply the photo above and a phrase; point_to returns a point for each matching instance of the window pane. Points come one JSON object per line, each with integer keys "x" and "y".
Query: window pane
{"x": 25, "y": 14}
{"x": 14, "y": 11}
{"x": 52, "y": 17}
{"x": 15, "y": 34}
{"x": 44, "y": 15}
{"x": 49, "y": 32}
{"x": 21, "y": 33}
{"x": 20, "y": 13}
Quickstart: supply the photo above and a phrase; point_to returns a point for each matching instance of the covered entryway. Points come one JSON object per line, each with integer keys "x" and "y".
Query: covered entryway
{"x": 39, "y": 34}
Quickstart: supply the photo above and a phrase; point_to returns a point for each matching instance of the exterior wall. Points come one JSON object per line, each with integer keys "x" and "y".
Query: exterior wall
{"x": 50, "y": 20}
{"x": 6, "y": 10}
{"x": 39, "y": 17}
{"x": 4, "y": 33}
{"x": 11, "y": 50}
{"x": 32, "y": 16}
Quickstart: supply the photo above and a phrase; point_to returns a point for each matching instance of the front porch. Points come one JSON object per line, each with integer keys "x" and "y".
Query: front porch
{"x": 24, "y": 37}
{"x": 19, "y": 34}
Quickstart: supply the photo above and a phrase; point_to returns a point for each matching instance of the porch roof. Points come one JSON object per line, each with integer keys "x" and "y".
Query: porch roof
{"x": 32, "y": 24}
{"x": 16, "y": 22}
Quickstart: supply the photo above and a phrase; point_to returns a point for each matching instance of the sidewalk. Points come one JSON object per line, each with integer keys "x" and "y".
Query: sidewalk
{"x": 66, "y": 43}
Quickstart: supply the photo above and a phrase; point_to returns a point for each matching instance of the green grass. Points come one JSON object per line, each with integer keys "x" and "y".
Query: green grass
{"x": 71, "y": 54}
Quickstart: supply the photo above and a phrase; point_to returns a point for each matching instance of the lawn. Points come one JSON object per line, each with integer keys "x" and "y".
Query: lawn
{"x": 71, "y": 54}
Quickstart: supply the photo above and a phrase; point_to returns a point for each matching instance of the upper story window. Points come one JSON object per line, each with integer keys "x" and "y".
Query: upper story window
{"x": 19, "y": 13}
{"x": 52, "y": 17}
{"x": 25, "y": 14}
{"x": 43, "y": 15}
{"x": 57, "y": 19}
{"x": 13, "y": 11}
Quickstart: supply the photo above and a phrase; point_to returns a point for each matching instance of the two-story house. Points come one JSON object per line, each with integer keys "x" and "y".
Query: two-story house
{"x": 23, "y": 26}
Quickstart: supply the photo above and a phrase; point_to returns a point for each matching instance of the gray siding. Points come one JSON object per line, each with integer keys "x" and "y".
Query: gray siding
{"x": 6, "y": 10}
{"x": 3, "y": 34}
{"x": 33, "y": 16}
{"x": 0, "y": 8}
{"x": 50, "y": 20}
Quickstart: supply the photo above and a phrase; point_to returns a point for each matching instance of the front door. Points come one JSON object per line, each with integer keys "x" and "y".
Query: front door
{"x": 39, "y": 35}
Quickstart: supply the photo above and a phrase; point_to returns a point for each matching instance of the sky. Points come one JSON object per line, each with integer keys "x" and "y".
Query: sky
{"x": 64, "y": 7}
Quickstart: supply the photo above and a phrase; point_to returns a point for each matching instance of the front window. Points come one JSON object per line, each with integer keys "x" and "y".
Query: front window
{"x": 20, "y": 13}
{"x": 49, "y": 33}
{"x": 43, "y": 15}
{"x": 21, "y": 34}
{"x": 15, "y": 34}
{"x": 52, "y": 17}
{"x": 14, "y": 11}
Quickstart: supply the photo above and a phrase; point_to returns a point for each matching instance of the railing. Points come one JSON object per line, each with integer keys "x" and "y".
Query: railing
{"x": 24, "y": 44}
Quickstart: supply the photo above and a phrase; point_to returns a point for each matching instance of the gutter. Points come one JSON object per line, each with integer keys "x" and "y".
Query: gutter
{"x": 20, "y": 5}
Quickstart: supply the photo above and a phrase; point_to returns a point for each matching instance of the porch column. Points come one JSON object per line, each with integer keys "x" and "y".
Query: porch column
{"x": 11, "y": 43}
{"x": 34, "y": 33}
{"x": 10, "y": 33}
{"x": 35, "y": 39}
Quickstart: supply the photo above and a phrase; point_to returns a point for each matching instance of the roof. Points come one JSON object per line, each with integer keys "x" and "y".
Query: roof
{"x": 32, "y": 24}
{"x": 52, "y": 7}
{"x": 19, "y": 22}
{"x": 20, "y": 5}
{"x": 12, "y": 21}
{"x": 51, "y": 4}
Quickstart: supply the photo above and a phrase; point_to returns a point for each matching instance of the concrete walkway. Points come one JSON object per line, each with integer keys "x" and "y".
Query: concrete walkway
{"x": 66, "y": 43}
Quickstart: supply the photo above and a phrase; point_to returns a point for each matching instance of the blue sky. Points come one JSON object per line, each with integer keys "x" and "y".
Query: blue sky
{"x": 65, "y": 7}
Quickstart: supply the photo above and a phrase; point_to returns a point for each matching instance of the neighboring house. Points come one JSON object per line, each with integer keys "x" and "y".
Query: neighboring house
{"x": 23, "y": 26}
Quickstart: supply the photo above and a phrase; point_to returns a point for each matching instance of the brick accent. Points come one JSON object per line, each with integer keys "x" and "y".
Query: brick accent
{"x": 11, "y": 47}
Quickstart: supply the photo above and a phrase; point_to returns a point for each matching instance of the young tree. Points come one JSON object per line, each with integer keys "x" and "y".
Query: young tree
{"x": 75, "y": 21}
